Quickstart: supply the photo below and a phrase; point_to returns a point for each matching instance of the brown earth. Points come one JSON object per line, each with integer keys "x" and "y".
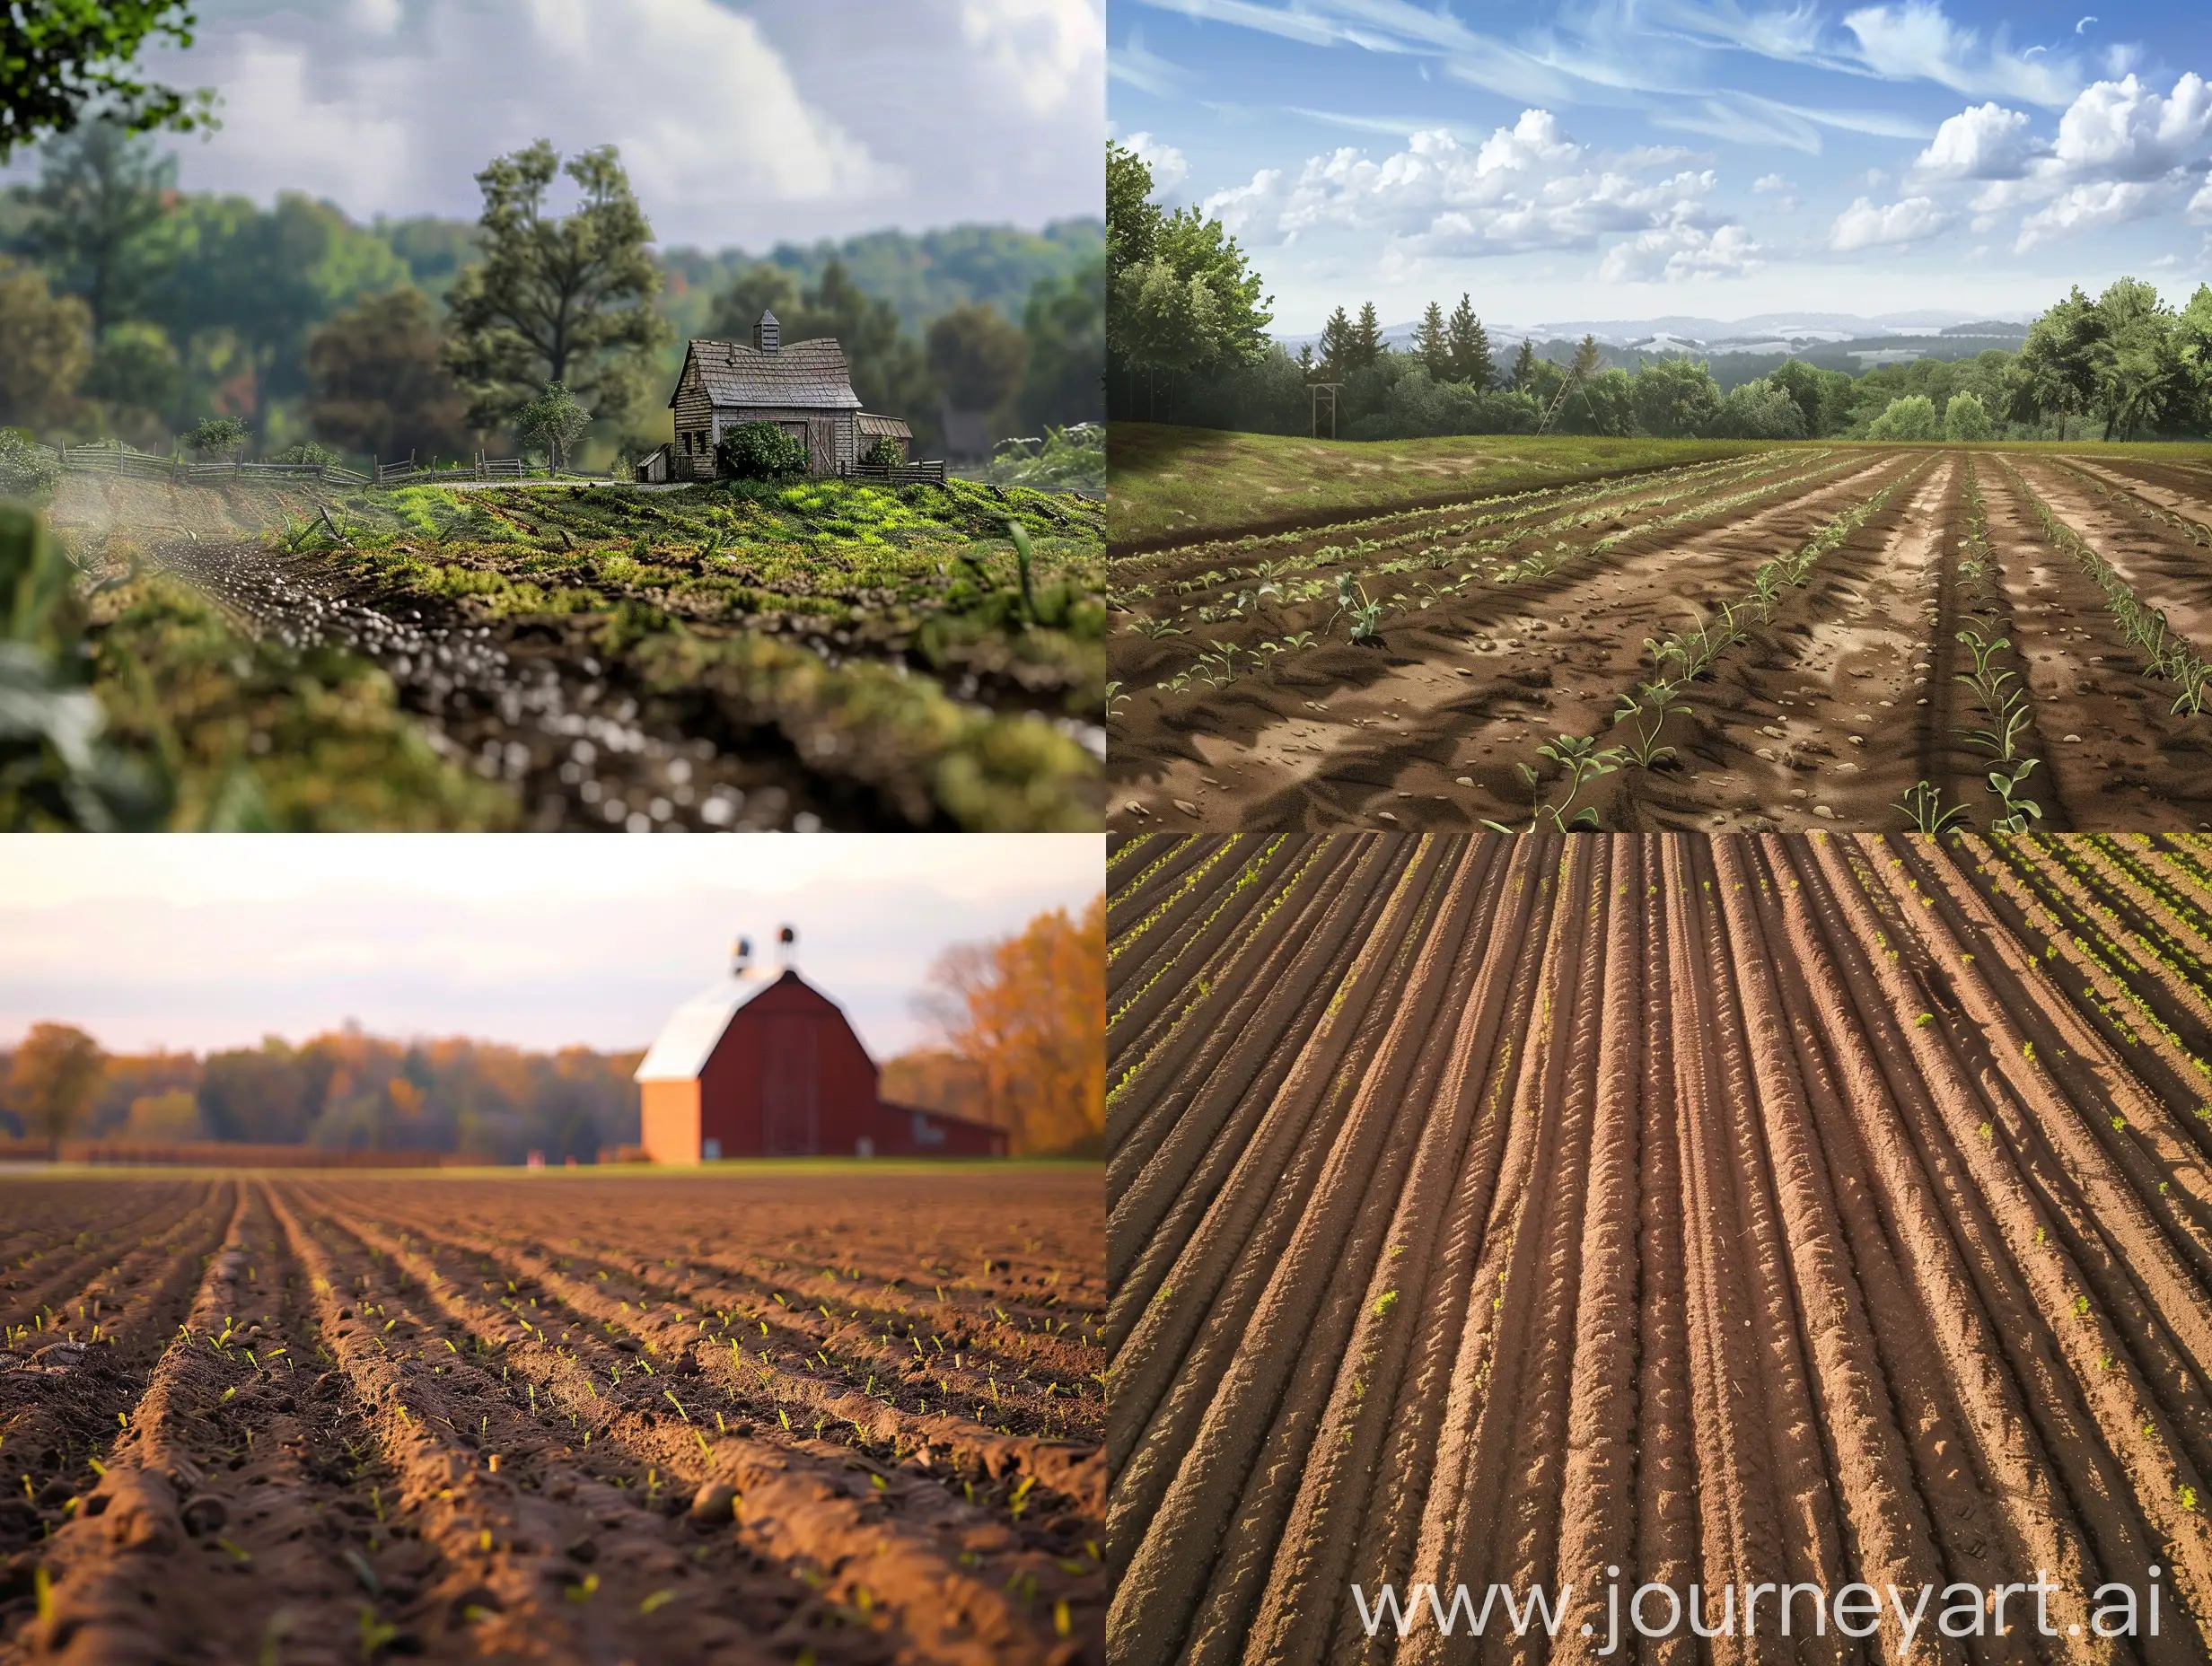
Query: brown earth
{"x": 1827, "y": 712}
{"x": 849, "y": 1418}
{"x": 1823, "y": 1208}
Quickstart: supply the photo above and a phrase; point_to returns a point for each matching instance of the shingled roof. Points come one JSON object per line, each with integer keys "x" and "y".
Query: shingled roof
{"x": 804, "y": 374}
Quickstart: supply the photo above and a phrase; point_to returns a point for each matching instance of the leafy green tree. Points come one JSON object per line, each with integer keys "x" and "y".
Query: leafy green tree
{"x": 2057, "y": 371}
{"x": 377, "y": 381}
{"x": 60, "y": 58}
{"x": 978, "y": 358}
{"x": 216, "y": 436}
{"x": 1065, "y": 323}
{"x": 43, "y": 348}
{"x": 1432, "y": 343}
{"x": 1966, "y": 418}
{"x": 566, "y": 299}
{"x": 1468, "y": 348}
{"x": 1912, "y": 418}
{"x": 265, "y": 278}
{"x": 553, "y": 421}
{"x": 1132, "y": 218}
{"x": 1761, "y": 409}
{"x": 1181, "y": 301}
{"x": 101, "y": 189}
{"x": 135, "y": 366}
{"x": 2140, "y": 378}
{"x": 1676, "y": 398}
{"x": 1823, "y": 397}
{"x": 1605, "y": 403}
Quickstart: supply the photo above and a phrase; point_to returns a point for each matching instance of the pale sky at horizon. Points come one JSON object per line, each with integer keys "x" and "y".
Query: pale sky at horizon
{"x": 201, "y": 941}
{"x": 1634, "y": 159}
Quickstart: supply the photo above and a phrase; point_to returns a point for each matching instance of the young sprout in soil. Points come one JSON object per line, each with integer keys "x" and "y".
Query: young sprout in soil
{"x": 1647, "y": 711}
{"x": 2018, "y": 810}
{"x": 1923, "y": 805}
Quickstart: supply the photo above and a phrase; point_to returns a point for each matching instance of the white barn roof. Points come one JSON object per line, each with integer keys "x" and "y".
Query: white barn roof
{"x": 687, "y": 1040}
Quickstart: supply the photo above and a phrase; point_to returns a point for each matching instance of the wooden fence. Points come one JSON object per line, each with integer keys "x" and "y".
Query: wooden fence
{"x": 122, "y": 460}
{"x": 225, "y": 1154}
{"x": 897, "y": 474}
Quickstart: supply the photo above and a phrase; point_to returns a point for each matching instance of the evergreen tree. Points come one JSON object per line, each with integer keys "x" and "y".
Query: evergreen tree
{"x": 1434, "y": 344}
{"x": 1306, "y": 361}
{"x": 1368, "y": 341}
{"x": 1524, "y": 364}
{"x": 1340, "y": 347}
{"x": 1468, "y": 347}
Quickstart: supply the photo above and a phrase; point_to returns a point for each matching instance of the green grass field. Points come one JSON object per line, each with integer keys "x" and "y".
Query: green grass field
{"x": 909, "y": 633}
{"x": 1186, "y": 484}
{"x": 1190, "y": 483}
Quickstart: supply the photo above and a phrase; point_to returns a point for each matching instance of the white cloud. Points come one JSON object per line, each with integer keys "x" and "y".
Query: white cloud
{"x": 1170, "y": 167}
{"x": 2124, "y": 130}
{"x": 735, "y": 127}
{"x": 2123, "y": 151}
{"x": 1916, "y": 42}
{"x": 1133, "y": 64}
{"x": 1674, "y": 253}
{"x": 1863, "y": 226}
{"x": 2201, "y": 205}
{"x": 1044, "y": 51}
{"x": 2101, "y": 202}
{"x": 1526, "y": 187}
{"x": 1766, "y": 182}
{"x": 1987, "y": 142}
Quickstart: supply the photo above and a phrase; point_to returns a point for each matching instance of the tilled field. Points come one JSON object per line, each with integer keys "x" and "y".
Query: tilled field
{"x": 1818, "y": 1209}
{"x": 810, "y": 1418}
{"x": 1768, "y": 643}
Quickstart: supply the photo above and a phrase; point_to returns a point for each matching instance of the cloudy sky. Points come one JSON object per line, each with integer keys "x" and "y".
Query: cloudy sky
{"x": 1637, "y": 158}
{"x": 743, "y": 122}
{"x": 545, "y": 941}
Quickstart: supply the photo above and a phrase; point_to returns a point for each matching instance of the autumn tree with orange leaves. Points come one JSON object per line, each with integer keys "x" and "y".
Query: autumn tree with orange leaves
{"x": 53, "y": 1079}
{"x": 1021, "y": 1029}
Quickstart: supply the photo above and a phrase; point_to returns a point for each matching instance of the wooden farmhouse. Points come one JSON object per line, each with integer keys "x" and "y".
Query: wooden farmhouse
{"x": 764, "y": 1065}
{"x": 804, "y": 388}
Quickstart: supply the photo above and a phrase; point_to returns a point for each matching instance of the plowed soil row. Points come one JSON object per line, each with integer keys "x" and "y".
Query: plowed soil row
{"x": 818, "y": 1418}
{"x": 1725, "y": 1211}
{"x": 1835, "y": 706}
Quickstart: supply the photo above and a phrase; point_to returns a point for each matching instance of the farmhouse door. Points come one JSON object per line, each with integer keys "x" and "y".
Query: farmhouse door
{"x": 821, "y": 447}
{"x": 789, "y": 1115}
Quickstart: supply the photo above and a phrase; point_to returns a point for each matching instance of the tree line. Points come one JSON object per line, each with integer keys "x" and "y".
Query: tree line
{"x": 1016, "y": 1039}
{"x": 129, "y": 309}
{"x": 1188, "y": 341}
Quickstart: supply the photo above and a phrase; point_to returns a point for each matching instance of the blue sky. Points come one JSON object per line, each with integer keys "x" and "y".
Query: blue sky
{"x": 1615, "y": 158}
{"x": 743, "y": 122}
{"x": 540, "y": 940}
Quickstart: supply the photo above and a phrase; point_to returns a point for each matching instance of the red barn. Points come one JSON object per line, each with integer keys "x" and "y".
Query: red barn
{"x": 766, "y": 1065}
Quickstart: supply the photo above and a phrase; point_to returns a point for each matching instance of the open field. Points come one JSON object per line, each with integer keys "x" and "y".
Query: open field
{"x": 824, "y": 654}
{"x": 1796, "y": 638}
{"x": 849, "y": 1416}
{"x": 1171, "y": 485}
{"x": 1822, "y": 1209}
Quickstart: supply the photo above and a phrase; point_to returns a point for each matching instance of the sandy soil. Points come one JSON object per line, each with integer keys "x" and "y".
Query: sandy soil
{"x": 1751, "y": 1209}
{"x": 817, "y": 1417}
{"x": 1827, "y": 712}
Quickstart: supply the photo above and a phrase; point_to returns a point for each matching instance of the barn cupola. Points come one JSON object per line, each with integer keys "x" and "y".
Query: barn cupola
{"x": 786, "y": 946}
{"x": 767, "y": 335}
